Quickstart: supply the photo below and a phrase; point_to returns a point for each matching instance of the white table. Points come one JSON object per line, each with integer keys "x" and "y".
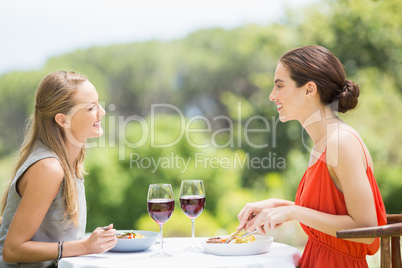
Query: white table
{"x": 280, "y": 255}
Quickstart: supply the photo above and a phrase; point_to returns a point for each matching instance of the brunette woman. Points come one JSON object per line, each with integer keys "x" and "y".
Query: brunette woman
{"x": 338, "y": 190}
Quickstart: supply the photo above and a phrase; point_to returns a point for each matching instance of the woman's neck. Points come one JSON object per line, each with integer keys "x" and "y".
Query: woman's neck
{"x": 72, "y": 151}
{"x": 320, "y": 124}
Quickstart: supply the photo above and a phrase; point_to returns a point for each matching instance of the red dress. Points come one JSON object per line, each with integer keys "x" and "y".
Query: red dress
{"x": 317, "y": 191}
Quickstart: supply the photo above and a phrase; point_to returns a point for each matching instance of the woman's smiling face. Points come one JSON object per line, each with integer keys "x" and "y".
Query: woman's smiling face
{"x": 86, "y": 114}
{"x": 289, "y": 99}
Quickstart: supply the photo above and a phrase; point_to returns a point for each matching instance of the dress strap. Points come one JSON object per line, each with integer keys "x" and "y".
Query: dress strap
{"x": 364, "y": 151}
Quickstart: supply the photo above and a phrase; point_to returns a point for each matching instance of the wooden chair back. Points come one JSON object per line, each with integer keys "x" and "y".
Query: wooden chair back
{"x": 390, "y": 239}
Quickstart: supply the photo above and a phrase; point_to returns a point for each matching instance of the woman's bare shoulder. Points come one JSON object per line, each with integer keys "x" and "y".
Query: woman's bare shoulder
{"x": 49, "y": 165}
{"x": 47, "y": 170}
{"x": 346, "y": 144}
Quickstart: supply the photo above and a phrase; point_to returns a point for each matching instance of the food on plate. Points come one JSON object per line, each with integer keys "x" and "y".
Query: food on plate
{"x": 216, "y": 240}
{"x": 239, "y": 239}
{"x": 129, "y": 235}
{"x": 244, "y": 239}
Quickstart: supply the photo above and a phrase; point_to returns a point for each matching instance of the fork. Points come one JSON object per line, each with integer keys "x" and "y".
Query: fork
{"x": 233, "y": 236}
{"x": 242, "y": 229}
{"x": 248, "y": 233}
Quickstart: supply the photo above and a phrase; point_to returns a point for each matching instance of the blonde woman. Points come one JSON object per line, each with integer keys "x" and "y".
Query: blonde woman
{"x": 44, "y": 209}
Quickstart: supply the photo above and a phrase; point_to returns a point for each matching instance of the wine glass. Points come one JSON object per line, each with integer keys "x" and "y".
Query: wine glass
{"x": 160, "y": 208}
{"x": 192, "y": 202}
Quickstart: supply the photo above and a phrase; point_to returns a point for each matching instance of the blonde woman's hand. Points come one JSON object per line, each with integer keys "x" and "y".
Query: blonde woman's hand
{"x": 102, "y": 239}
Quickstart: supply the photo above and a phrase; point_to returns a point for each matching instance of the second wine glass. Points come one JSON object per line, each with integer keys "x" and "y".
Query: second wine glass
{"x": 192, "y": 203}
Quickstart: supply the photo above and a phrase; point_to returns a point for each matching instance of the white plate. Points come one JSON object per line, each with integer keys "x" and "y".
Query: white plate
{"x": 135, "y": 244}
{"x": 262, "y": 244}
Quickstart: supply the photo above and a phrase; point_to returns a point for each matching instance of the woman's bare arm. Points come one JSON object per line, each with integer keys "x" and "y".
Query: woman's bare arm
{"x": 348, "y": 164}
{"x": 38, "y": 188}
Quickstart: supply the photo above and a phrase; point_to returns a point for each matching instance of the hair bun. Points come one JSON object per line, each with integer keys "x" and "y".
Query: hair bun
{"x": 348, "y": 96}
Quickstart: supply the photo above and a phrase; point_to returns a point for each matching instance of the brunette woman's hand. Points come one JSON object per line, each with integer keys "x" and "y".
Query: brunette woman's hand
{"x": 271, "y": 218}
{"x": 102, "y": 239}
{"x": 250, "y": 211}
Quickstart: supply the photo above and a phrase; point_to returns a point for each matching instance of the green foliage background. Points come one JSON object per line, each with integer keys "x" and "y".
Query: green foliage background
{"x": 218, "y": 74}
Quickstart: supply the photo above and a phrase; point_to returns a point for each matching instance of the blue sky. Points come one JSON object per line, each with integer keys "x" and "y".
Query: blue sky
{"x": 32, "y": 31}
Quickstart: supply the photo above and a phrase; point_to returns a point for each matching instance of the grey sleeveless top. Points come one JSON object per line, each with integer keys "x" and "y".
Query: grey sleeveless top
{"x": 53, "y": 228}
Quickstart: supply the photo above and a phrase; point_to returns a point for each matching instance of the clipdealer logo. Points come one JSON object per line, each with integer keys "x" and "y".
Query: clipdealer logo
{"x": 201, "y": 160}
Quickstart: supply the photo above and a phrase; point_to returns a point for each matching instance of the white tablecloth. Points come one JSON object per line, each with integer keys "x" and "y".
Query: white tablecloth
{"x": 280, "y": 255}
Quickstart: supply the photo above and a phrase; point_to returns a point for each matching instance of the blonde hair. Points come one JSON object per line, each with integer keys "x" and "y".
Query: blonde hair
{"x": 54, "y": 95}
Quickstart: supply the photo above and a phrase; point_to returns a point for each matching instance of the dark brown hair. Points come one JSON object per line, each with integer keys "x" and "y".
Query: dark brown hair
{"x": 319, "y": 65}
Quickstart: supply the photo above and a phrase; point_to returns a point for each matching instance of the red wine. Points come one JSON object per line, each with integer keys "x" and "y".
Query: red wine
{"x": 160, "y": 209}
{"x": 193, "y": 205}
